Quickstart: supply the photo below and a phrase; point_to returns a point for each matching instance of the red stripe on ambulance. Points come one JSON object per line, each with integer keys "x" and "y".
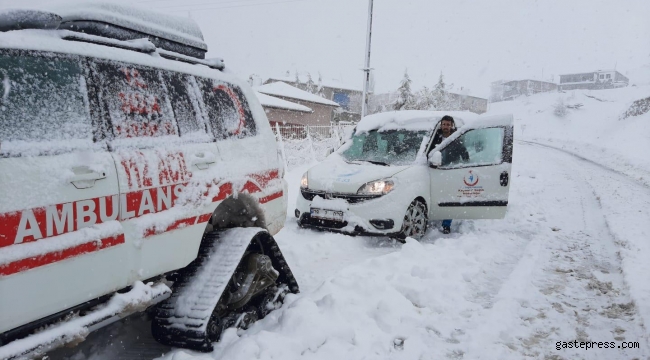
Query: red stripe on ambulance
{"x": 49, "y": 258}
{"x": 38, "y": 223}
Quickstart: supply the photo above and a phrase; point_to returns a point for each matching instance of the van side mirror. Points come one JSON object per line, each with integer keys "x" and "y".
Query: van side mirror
{"x": 435, "y": 159}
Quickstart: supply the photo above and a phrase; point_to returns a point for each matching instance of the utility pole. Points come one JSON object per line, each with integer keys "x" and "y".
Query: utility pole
{"x": 367, "y": 69}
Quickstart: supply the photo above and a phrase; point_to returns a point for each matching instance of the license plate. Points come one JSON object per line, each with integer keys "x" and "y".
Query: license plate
{"x": 327, "y": 214}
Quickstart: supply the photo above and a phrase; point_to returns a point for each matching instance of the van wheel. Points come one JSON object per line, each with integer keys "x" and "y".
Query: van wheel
{"x": 415, "y": 221}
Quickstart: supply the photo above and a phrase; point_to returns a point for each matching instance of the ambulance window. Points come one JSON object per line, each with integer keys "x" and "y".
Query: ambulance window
{"x": 136, "y": 101}
{"x": 43, "y": 99}
{"x": 228, "y": 112}
{"x": 185, "y": 105}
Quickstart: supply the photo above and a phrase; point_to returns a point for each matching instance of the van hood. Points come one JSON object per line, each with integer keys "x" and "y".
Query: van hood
{"x": 337, "y": 176}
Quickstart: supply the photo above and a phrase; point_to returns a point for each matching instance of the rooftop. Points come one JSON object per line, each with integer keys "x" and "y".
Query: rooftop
{"x": 273, "y": 102}
{"x": 285, "y": 90}
{"x": 331, "y": 83}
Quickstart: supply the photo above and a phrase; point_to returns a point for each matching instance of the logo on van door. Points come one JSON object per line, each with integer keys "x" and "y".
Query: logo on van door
{"x": 470, "y": 179}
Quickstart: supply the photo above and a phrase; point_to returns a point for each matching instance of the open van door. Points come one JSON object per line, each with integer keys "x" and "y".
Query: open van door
{"x": 470, "y": 171}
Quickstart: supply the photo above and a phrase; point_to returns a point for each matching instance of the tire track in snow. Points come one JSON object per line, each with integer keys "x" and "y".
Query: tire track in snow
{"x": 623, "y": 203}
{"x": 640, "y": 182}
{"x": 566, "y": 287}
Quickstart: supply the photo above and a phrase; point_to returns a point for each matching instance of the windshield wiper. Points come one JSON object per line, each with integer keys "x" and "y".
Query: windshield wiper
{"x": 374, "y": 162}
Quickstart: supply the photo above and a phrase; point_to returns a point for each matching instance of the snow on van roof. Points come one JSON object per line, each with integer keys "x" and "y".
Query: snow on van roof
{"x": 410, "y": 120}
{"x": 270, "y": 101}
{"x": 175, "y": 28}
{"x": 283, "y": 89}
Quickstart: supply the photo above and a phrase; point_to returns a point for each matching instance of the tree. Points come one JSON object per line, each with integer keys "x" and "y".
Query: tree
{"x": 405, "y": 98}
{"x": 297, "y": 80}
{"x": 440, "y": 95}
{"x": 310, "y": 86}
{"x": 423, "y": 99}
{"x": 319, "y": 87}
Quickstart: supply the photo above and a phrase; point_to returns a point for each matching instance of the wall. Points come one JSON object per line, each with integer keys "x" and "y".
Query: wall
{"x": 284, "y": 116}
{"x": 321, "y": 115}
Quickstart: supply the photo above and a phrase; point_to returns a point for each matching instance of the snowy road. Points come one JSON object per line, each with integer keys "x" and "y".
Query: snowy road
{"x": 566, "y": 264}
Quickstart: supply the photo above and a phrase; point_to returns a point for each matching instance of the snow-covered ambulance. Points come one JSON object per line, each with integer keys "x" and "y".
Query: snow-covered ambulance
{"x": 390, "y": 179}
{"x": 124, "y": 154}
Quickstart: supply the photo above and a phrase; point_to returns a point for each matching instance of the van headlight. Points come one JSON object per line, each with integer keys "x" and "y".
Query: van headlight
{"x": 304, "y": 181}
{"x": 378, "y": 187}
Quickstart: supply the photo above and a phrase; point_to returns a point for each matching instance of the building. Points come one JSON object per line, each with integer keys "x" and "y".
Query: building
{"x": 515, "y": 88}
{"x": 346, "y": 96}
{"x": 313, "y": 109}
{"x": 507, "y": 90}
{"x": 594, "y": 80}
{"x": 496, "y": 90}
{"x": 470, "y": 103}
{"x": 282, "y": 111}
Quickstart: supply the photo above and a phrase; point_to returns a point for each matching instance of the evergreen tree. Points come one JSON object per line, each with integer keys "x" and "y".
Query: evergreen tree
{"x": 423, "y": 99}
{"x": 405, "y": 99}
{"x": 297, "y": 81}
{"x": 309, "y": 85}
{"x": 440, "y": 95}
{"x": 319, "y": 87}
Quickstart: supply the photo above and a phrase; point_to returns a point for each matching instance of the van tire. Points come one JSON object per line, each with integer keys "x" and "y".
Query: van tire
{"x": 415, "y": 221}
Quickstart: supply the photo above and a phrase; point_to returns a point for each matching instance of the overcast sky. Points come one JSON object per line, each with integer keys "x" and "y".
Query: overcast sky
{"x": 471, "y": 42}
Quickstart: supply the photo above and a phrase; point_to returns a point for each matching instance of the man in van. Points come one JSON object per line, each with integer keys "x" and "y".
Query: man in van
{"x": 454, "y": 153}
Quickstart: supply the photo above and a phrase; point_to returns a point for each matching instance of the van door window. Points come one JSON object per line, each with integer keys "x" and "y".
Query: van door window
{"x": 43, "y": 100}
{"x": 186, "y": 106}
{"x": 228, "y": 112}
{"x": 136, "y": 101}
{"x": 478, "y": 147}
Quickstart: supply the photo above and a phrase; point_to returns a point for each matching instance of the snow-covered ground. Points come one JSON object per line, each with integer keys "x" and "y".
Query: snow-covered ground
{"x": 595, "y": 130}
{"x": 568, "y": 263}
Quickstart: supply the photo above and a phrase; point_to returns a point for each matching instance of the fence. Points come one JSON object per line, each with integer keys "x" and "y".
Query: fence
{"x": 301, "y": 132}
{"x": 302, "y": 144}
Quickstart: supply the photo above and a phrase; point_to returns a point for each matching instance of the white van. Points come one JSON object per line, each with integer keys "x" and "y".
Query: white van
{"x": 122, "y": 152}
{"x": 389, "y": 179}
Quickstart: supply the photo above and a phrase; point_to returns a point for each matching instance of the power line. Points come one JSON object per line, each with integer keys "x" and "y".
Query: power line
{"x": 236, "y": 6}
{"x": 211, "y": 3}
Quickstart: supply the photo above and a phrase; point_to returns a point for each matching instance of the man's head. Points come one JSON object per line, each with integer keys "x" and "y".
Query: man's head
{"x": 447, "y": 125}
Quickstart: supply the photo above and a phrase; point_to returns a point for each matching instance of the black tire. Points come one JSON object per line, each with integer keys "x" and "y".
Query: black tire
{"x": 415, "y": 221}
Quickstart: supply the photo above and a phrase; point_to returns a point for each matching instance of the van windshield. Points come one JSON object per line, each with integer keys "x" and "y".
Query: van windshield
{"x": 394, "y": 147}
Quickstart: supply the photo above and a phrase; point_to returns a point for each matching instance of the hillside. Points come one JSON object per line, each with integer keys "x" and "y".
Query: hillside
{"x": 595, "y": 130}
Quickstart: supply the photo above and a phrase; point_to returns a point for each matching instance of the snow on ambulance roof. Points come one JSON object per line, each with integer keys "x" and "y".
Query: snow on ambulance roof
{"x": 270, "y": 101}
{"x": 174, "y": 28}
{"x": 52, "y": 41}
{"x": 410, "y": 120}
{"x": 283, "y": 89}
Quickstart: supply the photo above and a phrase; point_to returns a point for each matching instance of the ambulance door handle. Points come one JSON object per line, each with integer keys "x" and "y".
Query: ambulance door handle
{"x": 203, "y": 161}
{"x": 85, "y": 178}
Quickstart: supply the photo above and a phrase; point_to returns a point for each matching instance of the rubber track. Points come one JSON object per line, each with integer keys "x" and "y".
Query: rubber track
{"x": 181, "y": 320}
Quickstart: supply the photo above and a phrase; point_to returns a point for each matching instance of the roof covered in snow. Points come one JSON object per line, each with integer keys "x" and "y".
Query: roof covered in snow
{"x": 411, "y": 120}
{"x": 270, "y": 101}
{"x": 285, "y": 90}
{"x": 175, "y": 28}
{"x": 330, "y": 83}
